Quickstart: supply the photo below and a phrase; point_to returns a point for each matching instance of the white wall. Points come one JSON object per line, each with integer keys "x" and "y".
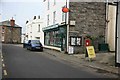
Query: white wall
{"x": 32, "y": 30}
{"x": 111, "y": 27}
{"x": 22, "y": 38}
{"x": 57, "y": 7}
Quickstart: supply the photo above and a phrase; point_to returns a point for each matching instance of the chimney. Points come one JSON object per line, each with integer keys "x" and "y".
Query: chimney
{"x": 12, "y": 22}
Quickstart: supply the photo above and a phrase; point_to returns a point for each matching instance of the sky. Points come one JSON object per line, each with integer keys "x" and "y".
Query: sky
{"x": 21, "y": 11}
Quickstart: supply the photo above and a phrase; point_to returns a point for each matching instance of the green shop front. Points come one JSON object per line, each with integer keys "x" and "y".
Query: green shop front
{"x": 56, "y": 36}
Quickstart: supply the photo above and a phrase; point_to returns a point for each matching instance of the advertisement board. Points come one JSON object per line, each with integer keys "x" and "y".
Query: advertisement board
{"x": 71, "y": 50}
{"x": 91, "y": 52}
{"x": 118, "y": 36}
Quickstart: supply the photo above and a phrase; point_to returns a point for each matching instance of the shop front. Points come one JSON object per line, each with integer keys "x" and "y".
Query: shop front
{"x": 55, "y": 36}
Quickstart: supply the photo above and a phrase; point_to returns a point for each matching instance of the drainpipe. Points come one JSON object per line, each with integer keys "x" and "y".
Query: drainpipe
{"x": 107, "y": 11}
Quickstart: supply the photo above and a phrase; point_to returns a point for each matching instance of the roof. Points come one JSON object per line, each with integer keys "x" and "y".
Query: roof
{"x": 7, "y": 23}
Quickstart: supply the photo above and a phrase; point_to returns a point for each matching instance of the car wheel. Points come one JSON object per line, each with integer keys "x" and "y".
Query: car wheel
{"x": 41, "y": 50}
{"x": 27, "y": 48}
{"x": 31, "y": 48}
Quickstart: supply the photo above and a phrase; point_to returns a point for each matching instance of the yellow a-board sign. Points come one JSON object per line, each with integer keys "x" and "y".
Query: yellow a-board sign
{"x": 91, "y": 52}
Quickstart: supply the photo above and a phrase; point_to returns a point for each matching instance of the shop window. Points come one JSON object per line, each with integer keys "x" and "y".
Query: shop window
{"x": 52, "y": 38}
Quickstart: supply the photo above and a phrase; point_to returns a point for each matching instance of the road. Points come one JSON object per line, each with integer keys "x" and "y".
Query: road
{"x": 21, "y": 63}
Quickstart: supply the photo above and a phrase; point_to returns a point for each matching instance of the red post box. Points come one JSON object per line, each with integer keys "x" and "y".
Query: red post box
{"x": 87, "y": 42}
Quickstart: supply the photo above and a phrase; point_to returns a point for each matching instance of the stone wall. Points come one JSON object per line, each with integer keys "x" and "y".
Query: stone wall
{"x": 89, "y": 20}
{"x": 14, "y": 36}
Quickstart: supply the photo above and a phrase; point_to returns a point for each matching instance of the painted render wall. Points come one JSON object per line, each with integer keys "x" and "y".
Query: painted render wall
{"x": 32, "y": 30}
{"x": 111, "y": 27}
{"x": 58, "y": 8}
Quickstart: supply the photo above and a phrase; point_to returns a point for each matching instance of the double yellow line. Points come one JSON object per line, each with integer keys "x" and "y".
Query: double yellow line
{"x": 3, "y": 65}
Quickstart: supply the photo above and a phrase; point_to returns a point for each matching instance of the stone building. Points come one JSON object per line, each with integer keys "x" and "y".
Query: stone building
{"x": 11, "y": 32}
{"x": 84, "y": 20}
{"x": 90, "y": 21}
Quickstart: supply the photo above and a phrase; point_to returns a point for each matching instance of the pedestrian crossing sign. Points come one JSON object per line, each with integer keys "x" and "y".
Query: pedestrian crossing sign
{"x": 91, "y": 52}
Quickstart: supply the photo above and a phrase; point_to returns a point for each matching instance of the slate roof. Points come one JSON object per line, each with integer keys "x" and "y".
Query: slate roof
{"x": 7, "y": 23}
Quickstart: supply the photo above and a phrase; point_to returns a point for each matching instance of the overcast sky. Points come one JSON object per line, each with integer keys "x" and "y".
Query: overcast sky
{"x": 21, "y": 10}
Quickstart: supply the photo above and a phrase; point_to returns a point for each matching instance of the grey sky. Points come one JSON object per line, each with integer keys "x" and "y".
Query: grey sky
{"x": 21, "y": 11}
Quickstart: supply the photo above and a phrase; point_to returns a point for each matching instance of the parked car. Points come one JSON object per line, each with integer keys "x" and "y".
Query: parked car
{"x": 25, "y": 43}
{"x": 34, "y": 45}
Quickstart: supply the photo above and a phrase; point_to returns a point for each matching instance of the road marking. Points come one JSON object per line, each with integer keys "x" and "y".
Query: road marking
{"x": 3, "y": 65}
{"x": 1, "y": 56}
{"x": 2, "y": 60}
{"x": 5, "y": 72}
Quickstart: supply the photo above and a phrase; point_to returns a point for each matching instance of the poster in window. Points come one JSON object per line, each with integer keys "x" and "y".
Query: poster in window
{"x": 72, "y": 41}
{"x": 78, "y": 41}
{"x": 75, "y": 41}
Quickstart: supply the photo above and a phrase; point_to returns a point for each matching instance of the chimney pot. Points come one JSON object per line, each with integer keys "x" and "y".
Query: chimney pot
{"x": 12, "y": 22}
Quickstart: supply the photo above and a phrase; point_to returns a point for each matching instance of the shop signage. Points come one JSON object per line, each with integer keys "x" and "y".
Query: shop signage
{"x": 50, "y": 27}
{"x": 72, "y": 22}
{"x": 91, "y": 52}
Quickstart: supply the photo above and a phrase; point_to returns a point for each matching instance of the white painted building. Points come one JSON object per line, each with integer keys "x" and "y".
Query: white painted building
{"x": 111, "y": 27}
{"x": 54, "y": 19}
{"x": 34, "y": 29}
{"x": 23, "y": 38}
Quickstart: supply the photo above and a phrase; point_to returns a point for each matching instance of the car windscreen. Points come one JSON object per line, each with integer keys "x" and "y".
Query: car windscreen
{"x": 35, "y": 42}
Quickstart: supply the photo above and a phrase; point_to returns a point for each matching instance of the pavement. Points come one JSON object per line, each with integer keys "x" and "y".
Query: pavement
{"x": 0, "y": 60}
{"x": 104, "y": 62}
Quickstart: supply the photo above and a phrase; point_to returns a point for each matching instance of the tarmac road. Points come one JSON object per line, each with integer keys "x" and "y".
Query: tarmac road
{"x": 21, "y": 63}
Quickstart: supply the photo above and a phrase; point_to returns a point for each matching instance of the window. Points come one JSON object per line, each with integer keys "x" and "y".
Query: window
{"x": 47, "y": 20}
{"x": 48, "y": 4}
{"x": 38, "y": 17}
{"x": 54, "y": 17}
{"x": 63, "y": 15}
{"x": 54, "y": 2}
{"x": 75, "y": 40}
{"x": 39, "y": 28}
{"x": 53, "y": 38}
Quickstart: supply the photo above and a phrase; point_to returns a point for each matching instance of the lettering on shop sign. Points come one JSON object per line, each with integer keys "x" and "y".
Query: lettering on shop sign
{"x": 91, "y": 52}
